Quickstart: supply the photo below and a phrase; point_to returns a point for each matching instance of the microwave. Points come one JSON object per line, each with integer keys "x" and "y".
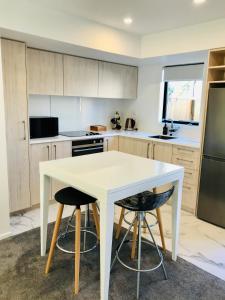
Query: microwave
{"x": 41, "y": 127}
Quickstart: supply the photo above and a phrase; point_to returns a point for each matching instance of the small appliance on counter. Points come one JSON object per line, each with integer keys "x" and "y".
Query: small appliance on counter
{"x": 130, "y": 124}
{"x": 116, "y": 121}
{"x": 41, "y": 127}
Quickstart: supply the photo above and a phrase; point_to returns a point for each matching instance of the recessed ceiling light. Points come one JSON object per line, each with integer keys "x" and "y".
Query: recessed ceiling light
{"x": 127, "y": 21}
{"x": 198, "y": 1}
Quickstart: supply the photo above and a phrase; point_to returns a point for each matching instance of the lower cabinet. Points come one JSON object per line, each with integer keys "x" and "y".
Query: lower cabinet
{"x": 111, "y": 143}
{"x": 162, "y": 152}
{"x": 189, "y": 158}
{"x": 60, "y": 150}
{"x": 134, "y": 146}
{"x": 44, "y": 152}
{"x": 184, "y": 156}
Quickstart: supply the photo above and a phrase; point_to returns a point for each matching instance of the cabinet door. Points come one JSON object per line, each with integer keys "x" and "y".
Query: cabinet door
{"x": 130, "y": 81}
{"x": 15, "y": 98}
{"x": 45, "y": 72}
{"x": 60, "y": 150}
{"x": 38, "y": 153}
{"x": 134, "y": 146}
{"x": 117, "y": 81}
{"x": 162, "y": 152}
{"x": 80, "y": 76}
{"x": 111, "y": 143}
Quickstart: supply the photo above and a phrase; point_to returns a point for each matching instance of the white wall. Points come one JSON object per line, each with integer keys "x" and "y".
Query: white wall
{"x": 29, "y": 17}
{"x": 185, "y": 39}
{"x": 148, "y": 107}
{"x": 4, "y": 198}
{"x": 76, "y": 113}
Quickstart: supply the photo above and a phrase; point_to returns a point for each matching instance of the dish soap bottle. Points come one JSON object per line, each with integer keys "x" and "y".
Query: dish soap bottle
{"x": 165, "y": 129}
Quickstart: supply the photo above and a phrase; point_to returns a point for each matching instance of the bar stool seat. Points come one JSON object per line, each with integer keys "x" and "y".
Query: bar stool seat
{"x": 142, "y": 204}
{"x": 72, "y": 197}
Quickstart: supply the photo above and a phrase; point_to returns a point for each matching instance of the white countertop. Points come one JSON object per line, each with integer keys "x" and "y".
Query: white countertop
{"x": 133, "y": 134}
{"x": 107, "y": 171}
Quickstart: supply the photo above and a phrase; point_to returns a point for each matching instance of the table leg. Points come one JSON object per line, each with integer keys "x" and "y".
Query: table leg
{"x": 176, "y": 207}
{"x": 44, "y": 201}
{"x": 106, "y": 232}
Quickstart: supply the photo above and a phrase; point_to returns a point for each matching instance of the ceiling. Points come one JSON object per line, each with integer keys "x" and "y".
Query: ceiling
{"x": 149, "y": 16}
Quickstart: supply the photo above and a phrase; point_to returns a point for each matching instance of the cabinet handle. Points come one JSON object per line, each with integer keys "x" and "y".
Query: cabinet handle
{"x": 153, "y": 151}
{"x": 186, "y": 187}
{"x": 24, "y": 130}
{"x": 188, "y": 173}
{"x": 148, "y": 150}
{"x": 48, "y": 148}
{"x": 55, "y": 150}
{"x": 180, "y": 149}
{"x": 107, "y": 145}
{"x": 186, "y": 160}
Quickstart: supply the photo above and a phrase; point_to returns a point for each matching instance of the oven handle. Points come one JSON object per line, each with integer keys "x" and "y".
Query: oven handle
{"x": 87, "y": 145}
{"x": 87, "y": 149}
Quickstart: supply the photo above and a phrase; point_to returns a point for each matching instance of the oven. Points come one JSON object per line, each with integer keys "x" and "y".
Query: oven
{"x": 87, "y": 146}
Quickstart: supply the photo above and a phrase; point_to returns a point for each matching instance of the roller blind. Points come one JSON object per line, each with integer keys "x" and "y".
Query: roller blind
{"x": 184, "y": 72}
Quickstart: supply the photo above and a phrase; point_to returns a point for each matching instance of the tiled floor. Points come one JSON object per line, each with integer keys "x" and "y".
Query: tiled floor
{"x": 201, "y": 243}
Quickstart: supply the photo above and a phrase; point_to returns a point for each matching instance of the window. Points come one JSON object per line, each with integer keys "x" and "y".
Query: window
{"x": 182, "y": 94}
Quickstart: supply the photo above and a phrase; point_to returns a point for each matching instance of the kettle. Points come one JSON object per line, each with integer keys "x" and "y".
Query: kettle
{"x": 130, "y": 124}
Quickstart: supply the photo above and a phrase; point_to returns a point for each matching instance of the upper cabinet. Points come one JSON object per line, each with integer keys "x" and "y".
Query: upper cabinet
{"x": 45, "y": 72}
{"x": 117, "y": 81}
{"x": 80, "y": 76}
{"x": 51, "y": 73}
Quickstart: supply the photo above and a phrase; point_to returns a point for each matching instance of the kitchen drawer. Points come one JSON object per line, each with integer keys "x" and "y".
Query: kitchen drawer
{"x": 186, "y": 152}
{"x": 190, "y": 176}
{"x": 189, "y": 197}
{"x": 188, "y": 162}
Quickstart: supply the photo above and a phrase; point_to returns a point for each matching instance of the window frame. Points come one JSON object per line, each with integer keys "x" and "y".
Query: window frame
{"x": 164, "y": 110}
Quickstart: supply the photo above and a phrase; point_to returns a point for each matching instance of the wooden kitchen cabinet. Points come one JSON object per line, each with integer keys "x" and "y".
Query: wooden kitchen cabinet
{"x": 111, "y": 143}
{"x": 117, "y": 81}
{"x": 15, "y": 100}
{"x": 134, "y": 146}
{"x": 189, "y": 158}
{"x": 38, "y": 153}
{"x": 162, "y": 152}
{"x": 45, "y": 72}
{"x": 80, "y": 76}
{"x": 44, "y": 152}
{"x": 60, "y": 150}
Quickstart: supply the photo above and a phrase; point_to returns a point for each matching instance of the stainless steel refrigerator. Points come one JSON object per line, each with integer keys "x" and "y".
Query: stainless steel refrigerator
{"x": 211, "y": 203}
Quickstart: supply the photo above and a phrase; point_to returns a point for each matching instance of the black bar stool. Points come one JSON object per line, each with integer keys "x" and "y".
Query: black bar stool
{"x": 73, "y": 197}
{"x": 141, "y": 204}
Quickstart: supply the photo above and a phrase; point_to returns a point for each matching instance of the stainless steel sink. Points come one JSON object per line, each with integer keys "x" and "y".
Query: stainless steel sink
{"x": 162, "y": 137}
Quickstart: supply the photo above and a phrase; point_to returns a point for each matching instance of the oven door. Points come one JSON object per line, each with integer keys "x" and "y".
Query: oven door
{"x": 86, "y": 150}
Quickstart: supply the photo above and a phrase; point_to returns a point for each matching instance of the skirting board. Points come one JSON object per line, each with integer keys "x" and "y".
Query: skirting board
{"x": 5, "y": 235}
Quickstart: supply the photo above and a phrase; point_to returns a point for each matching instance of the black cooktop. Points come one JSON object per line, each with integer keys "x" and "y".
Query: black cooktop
{"x": 78, "y": 133}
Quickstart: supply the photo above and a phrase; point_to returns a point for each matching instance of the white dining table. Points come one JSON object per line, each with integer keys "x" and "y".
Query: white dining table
{"x": 110, "y": 176}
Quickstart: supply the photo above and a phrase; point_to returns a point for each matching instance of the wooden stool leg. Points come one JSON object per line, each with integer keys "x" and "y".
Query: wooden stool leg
{"x": 77, "y": 249}
{"x": 119, "y": 225}
{"x": 96, "y": 219}
{"x": 54, "y": 238}
{"x": 161, "y": 228}
{"x": 134, "y": 243}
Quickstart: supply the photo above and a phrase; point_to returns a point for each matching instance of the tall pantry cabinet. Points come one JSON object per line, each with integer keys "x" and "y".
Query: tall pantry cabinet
{"x": 15, "y": 101}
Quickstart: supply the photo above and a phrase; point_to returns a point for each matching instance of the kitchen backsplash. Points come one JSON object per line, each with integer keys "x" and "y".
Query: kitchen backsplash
{"x": 76, "y": 113}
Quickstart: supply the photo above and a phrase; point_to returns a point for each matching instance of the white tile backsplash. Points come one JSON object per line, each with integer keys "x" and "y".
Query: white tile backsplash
{"x": 77, "y": 113}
